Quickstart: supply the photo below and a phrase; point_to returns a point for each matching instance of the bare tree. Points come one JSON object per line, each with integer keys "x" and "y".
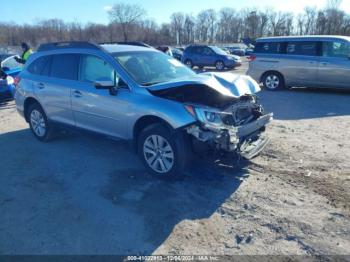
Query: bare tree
{"x": 226, "y": 26}
{"x": 177, "y": 22}
{"x": 126, "y": 15}
{"x": 189, "y": 29}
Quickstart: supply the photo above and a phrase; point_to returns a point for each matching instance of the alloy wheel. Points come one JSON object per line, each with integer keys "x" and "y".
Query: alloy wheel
{"x": 220, "y": 65}
{"x": 37, "y": 122}
{"x": 158, "y": 154}
{"x": 272, "y": 81}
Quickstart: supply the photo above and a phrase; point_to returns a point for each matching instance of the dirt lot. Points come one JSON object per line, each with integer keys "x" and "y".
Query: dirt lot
{"x": 87, "y": 195}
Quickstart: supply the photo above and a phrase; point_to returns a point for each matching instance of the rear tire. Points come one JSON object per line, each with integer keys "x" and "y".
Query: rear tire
{"x": 39, "y": 125}
{"x": 273, "y": 81}
{"x": 163, "y": 151}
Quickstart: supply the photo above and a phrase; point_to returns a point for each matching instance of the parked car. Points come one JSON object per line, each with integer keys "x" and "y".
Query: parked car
{"x": 174, "y": 52}
{"x": 138, "y": 94}
{"x": 177, "y": 53}
{"x": 301, "y": 61}
{"x": 9, "y": 69}
{"x": 203, "y": 55}
{"x": 249, "y": 51}
{"x": 237, "y": 51}
{"x": 227, "y": 50}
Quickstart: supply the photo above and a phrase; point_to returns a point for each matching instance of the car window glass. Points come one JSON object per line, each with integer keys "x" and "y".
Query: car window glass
{"x": 148, "y": 68}
{"x": 10, "y": 63}
{"x": 268, "y": 48}
{"x": 94, "y": 69}
{"x": 199, "y": 50}
{"x": 207, "y": 51}
{"x": 40, "y": 66}
{"x": 65, "y": 66}
{"x": 302, "y": 48}
{"x": 336, "y": 49}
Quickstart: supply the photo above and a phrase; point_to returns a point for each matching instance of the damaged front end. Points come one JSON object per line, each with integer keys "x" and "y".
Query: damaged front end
{"x": 229, "y": 116}
{"x": 239, "y": 128}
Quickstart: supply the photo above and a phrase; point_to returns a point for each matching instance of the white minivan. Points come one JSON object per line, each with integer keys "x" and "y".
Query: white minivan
{"x": 301, "y": 61}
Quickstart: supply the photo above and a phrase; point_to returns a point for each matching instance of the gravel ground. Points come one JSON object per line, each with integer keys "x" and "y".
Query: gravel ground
{"x": 88, "y": 195}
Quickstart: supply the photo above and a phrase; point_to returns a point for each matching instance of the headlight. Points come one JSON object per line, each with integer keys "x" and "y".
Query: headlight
{"x": 212, "y": 117}
{"x": 206, "y": 116}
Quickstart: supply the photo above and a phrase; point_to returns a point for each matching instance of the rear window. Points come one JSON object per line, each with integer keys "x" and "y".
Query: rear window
{"x": 268, "y": 48}
{"x": 65, "y": 66}
{"x": 307, "y": 48}
{"x": 40, "y": 66}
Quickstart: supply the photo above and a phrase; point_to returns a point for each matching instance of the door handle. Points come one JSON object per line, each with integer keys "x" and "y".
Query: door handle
{"x": 324, "y": 63}
{"x": 77, "y": 93}
{"x": 40, "y": 85}
{"x": 311, "y": 62}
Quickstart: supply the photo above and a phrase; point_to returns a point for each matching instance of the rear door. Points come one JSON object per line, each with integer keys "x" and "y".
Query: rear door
{"x": 55, "y": 75}
{"x": 197, "y": 56}
{"x": 334, "y": 68}
{"x": 301, "y": 62}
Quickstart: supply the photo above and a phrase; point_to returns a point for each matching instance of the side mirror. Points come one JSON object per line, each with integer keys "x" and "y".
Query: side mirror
{"x": 108, "y": 85}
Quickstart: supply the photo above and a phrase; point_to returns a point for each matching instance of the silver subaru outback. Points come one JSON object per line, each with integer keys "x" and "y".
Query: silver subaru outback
{"x": 139, "y": 94}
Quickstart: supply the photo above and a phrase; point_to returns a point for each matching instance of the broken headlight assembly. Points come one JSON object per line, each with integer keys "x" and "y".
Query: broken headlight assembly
{"x": 207, "y": 116}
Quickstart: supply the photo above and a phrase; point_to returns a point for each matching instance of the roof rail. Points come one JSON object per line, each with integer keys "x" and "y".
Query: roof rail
{"x": 66, "y": 45}
{"x": 134, "y": 43}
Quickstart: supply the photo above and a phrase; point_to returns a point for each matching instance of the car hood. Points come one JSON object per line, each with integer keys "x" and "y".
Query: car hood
{"x": 225, "y": 83}
{"x": 209, "y": 89}
{"x": 235, "y": 57}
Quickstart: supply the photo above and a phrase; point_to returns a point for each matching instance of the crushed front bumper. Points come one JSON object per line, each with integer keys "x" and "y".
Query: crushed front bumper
{"x": 247, "y": 140}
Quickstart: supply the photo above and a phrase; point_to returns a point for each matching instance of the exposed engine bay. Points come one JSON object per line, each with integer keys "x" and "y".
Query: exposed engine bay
{"x": 225, "y": 122}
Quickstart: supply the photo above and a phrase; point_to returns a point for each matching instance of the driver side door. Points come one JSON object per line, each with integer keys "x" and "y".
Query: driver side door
{"x": 96, "y": 109}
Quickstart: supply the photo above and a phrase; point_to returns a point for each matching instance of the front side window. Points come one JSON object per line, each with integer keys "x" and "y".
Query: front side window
{"x": 148, "y": 68}
{"x": 198, "y": 50}
{"x": 218, "y": 50}
{"x": 302, "y": 48}
{"x": 93, "y": 69}
{"x": 65, "y": 66}
{"x": 336, "y": 49}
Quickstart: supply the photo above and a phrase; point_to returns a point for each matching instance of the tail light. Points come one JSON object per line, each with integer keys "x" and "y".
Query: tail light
{"x": 17, "y": 80}
{"x": 251, "y": 58}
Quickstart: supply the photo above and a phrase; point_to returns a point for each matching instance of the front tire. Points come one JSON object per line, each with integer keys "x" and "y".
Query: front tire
{"x": 273, "y": 81}
{"x": 39, "y": 124}
{"x": 219, "y": 65}
{"x": 163, "y": 151}
{"x": 189, "y": 63}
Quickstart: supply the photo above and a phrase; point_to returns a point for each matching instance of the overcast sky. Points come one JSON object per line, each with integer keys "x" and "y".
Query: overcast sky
{"x": 24, "y": 11}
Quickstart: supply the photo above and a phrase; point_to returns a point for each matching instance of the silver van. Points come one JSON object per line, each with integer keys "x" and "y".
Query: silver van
{"x": 301, "y": 61}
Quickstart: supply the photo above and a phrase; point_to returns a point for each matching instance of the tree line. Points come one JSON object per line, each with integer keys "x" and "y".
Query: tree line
{"x": 130, "y": 23}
